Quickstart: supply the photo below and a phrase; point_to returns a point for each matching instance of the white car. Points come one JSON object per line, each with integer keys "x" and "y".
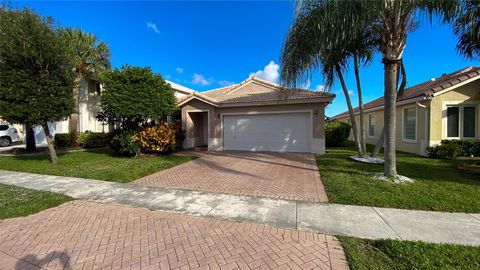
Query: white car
{"x": 8, "y": 135}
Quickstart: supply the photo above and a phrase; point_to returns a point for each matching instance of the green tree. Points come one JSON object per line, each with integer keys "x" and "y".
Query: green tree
{"x": 317, "y": 29}
{"x": 35, "y": 72}
{"x": 90, "y": 58}
{"x": 133, "y": 96}
{"x": 467, "y": 29}
{"x": 387, "y": 23}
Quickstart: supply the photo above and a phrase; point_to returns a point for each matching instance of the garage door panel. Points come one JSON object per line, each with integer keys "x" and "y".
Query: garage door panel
{"x": 268, "y": 132}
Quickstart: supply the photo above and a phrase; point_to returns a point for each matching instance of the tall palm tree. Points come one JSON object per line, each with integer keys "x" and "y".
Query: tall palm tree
{"x": 387, "y": 21}
{"x": 467, "y": 28}
{"x": 90, "y": 58}
{"x": 318, "y": 40}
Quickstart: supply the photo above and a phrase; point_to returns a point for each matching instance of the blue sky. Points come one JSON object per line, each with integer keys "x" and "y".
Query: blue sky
{"x": 204, "y": 45}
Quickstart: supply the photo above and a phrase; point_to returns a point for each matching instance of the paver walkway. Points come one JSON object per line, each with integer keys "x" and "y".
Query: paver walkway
{"x": 87, "y": 235}
{"x": 288, "y": 176}
{"x": 334, "y": 219}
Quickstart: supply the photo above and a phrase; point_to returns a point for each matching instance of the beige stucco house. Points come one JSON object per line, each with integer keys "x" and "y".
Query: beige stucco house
{"x": 447, "y": 107}
{"x": 255, "y": 115}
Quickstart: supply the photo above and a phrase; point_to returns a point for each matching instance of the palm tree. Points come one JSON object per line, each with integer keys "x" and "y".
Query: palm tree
{"x": 388, "y": 23}
{"x": 90, "y": 58}
{"x": 467, "y": 29}
{"x": 318, "y": 40}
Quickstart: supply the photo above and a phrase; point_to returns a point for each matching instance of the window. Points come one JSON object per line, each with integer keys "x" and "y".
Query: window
{"x": 469, "y": 122}
{"x": 461, "y": 121}
{"x": 410, "y": 124}
{"x": 3, "y": 127}
{"x": 453, "y": 116}
{"x": 371, "y": 125}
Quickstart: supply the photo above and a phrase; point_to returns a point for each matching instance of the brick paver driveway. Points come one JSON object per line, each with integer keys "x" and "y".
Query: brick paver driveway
{"x": 87, "y": 235}
{"x": 289, "y": 176}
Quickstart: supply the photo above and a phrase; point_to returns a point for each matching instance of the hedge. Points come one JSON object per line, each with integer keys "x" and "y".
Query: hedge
{"x": 336, "y": 133}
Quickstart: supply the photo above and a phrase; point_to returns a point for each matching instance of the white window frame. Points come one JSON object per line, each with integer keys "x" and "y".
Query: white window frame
{"x": 461, "y": 106}
{"x": 403, "y": 125}
{"x": 373, "y": 124}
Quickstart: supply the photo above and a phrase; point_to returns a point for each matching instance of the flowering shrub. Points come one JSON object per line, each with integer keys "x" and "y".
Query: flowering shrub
{"x": 157, "y": 139}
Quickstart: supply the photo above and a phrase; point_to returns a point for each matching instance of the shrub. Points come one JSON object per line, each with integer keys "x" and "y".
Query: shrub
{"x": 92, "y": 139}
{"x": 468, "y": 164}
{"x": 180, "y": 135}
{"x": 62, "y": 139}
{"x": 336, "y": 133}
{"x": 123, "y": 144}
{"x": 157, "y": 139}
{"x": 452, "y": 148}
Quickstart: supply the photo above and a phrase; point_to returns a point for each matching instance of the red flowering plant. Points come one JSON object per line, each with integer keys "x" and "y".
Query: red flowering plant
{"x": 157, "y": 139}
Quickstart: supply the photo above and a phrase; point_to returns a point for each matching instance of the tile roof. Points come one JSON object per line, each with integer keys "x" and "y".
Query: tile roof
{"x": 257, "y": 91}
{"x": 427, "y": 88}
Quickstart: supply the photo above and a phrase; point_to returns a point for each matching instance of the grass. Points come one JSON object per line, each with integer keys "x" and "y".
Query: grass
{"x": 438, "y": 185}
{"x": 18, "y": 202}
{"x": 100, "y": 164}
{"x": 394, "y": 254}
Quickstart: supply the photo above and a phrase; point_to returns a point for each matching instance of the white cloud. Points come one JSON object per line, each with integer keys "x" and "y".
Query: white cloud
{"x": 225, "y": 83}
{"x": 179, "y": 70}
{"x": 305, "y": 85}
{"x": 320, "y": 87}
{"x": 269, "y": 72}
{"x": 199, "y": 79}
{"x": 153, "y": 27}
{"x": 340, "y": 92}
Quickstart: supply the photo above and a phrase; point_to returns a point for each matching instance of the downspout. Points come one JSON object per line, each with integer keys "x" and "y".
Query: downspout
{"x": 427, "y": 124}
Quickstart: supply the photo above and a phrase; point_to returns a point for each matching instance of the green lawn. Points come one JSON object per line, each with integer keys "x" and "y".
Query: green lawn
{"x": 438, "y": 185}
{"x": 393, "y": 254}
{"x": 100, "y": 164}
{"x": 18, "y": 202}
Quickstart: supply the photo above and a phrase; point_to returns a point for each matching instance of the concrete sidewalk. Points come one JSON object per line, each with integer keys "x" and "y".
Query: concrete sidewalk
{"x": 334, "y": 219}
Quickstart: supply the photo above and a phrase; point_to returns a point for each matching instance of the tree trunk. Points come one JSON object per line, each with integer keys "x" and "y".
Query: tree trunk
{"x": 51, "y": 148}
{"x": 363, "y": 143}
{"x": 390, "y": 96}
{"x": 379, "y": 144}
{"x": 350, "y": 110}
{"x": 74, "y": 117}
{"x": 30, "y": 139}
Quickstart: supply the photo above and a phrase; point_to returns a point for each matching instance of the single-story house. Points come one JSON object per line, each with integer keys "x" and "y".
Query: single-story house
{"x": 255, "y": 115}
{"x": 447, "y": 107}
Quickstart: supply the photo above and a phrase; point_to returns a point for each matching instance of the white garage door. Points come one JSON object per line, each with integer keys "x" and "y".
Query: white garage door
{"x": 284, "y": 132}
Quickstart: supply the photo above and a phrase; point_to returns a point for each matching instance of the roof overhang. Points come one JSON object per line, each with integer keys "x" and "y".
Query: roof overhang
{"x": 196, "y": 97}
{"x": 422, "y": 97}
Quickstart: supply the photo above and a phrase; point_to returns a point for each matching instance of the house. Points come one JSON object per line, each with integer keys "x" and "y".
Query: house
{"x": 89, "y": 107}
{"x": 447, "y": 107}
{"x": 255, "y": 115}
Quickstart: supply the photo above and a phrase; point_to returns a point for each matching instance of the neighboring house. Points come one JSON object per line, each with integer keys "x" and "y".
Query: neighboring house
{"x": 89, "y": 107}
{"x": 180, "y": 90}
{"x": 447, "y": 107}
{"x": 255, "y": 115}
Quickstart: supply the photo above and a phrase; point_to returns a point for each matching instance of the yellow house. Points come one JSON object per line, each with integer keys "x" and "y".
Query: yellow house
{"x": 447, "y": 107}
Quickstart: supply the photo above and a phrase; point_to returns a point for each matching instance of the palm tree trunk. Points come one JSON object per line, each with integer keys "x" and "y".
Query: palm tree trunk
{"x": 363, "y": 143}
{"x": 350, "y": 110}
{"x": 30, "y": 138}
{"x": 379, "y": 144}
{"x": 74, "y": 117}
{"x": 390, "y": 96}
{"x": 51, "y": 148}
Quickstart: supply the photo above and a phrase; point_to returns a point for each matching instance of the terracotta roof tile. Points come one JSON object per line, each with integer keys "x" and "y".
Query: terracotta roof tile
{"x": 257, "y": 91}
{"x": 426, "y": 88}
